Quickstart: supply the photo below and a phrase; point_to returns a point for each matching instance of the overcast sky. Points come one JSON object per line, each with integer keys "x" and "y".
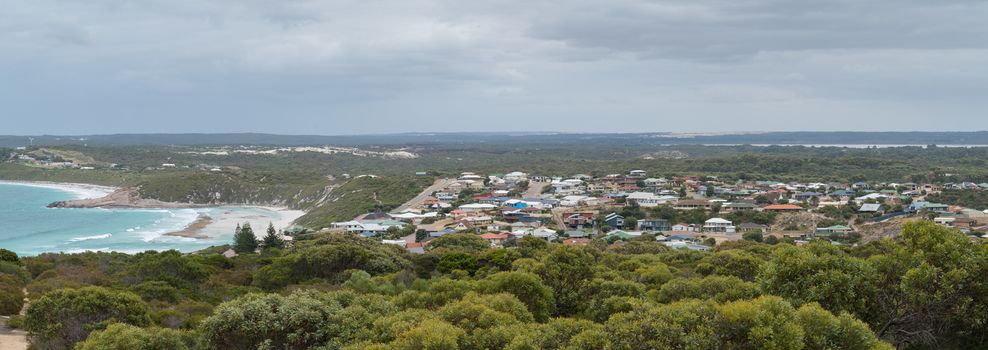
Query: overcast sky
{"x": 382, "y": 66}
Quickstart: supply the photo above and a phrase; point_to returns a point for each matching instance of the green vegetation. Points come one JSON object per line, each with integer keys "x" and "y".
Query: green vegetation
{"x": 244, "y": 240}
{"x": 965, "y": 198}
{"x": 363, "y": 195}
{"x": 315, "y": 181}
{"x": 61, "y": 318}
{"x": 336, "y": 291}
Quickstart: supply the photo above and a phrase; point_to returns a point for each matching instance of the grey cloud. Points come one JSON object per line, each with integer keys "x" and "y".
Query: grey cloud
{"x": 439, "y": 65}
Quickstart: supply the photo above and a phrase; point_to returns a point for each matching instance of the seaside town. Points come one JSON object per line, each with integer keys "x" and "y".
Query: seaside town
{"x": 691, "y": 212}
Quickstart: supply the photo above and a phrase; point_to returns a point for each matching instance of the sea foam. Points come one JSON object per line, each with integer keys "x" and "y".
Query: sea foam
{"x": 89, "y": 238}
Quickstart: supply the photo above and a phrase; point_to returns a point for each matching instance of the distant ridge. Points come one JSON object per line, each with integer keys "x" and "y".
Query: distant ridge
{"x": 556, "y": 138}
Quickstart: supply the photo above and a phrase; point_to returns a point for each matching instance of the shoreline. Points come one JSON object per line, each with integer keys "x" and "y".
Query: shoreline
{"x": 79, "y": 190}
{"x": 193, "y": 229}
{"x": 213, "y": 220}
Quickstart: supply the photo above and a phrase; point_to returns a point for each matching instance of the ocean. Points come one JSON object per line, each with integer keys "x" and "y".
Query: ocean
{"x": 28, "y": 227}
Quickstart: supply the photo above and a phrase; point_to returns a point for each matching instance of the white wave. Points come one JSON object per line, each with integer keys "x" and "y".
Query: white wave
{"x": 83, "y": 250}
{"x": 178, "y": 220}
{"x": 89, "y": 238}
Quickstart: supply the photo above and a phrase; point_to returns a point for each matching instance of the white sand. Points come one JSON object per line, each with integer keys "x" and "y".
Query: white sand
{"x": 80, "y": 191}
{"x": 225, "y": 221}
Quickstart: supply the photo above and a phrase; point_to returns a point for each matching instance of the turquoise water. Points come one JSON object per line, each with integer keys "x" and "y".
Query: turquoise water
{"x": 29, "y": 228}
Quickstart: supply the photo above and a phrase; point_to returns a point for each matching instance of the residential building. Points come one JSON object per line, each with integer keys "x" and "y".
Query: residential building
{"x": 749, "y": 227}
{"x": 719, "y": 225}
{"x": 614, "y": 220}
{"x": 691, "y": 204}
{"x": 833, "y": 231}
{"x": 653, "y": 225}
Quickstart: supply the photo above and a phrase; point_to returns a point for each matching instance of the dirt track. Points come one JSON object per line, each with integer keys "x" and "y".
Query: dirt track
{"x": 11, "y": 339}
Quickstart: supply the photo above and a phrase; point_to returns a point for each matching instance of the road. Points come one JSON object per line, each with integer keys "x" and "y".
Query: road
{"x": 535, "y": 189}
{"x": 418, "y": 200}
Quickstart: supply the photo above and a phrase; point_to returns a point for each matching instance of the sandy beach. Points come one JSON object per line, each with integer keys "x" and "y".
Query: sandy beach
{"x": 81, "y": 191}
{"x": 224, "y": 221}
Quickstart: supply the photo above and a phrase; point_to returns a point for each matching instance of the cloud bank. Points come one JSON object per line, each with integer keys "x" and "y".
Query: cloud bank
{"x": 381, "y": 66}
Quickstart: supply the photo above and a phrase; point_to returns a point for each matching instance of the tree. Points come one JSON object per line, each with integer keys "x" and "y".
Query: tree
{"x": 762, "y": 199}
{"x": 526, "y": 287}
{"x": 9, "y": 256}
{"x": 717, "y": 288}
{"x": 421, "y": 235}
{"x": 244, "y": 240}
{"x": 531, "y": 247}
{"x": 733, "y": 263}
{"x": 11, "y": 294}
{"x": 63, "y": 317}
{"x": 755, "y": 236}
{"x": 120, "y": 336}
{"x": 301, "y": 320}
{"x": 567, "y": 269}
{"x": 821, "y": 273}
{"x": 453, "y": 261}
{"x": 271, "y": 240}
{"x": 932, "y": 287}
{"x": 464, "y": 242}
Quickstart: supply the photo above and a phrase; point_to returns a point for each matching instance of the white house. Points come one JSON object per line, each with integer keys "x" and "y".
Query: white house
{"x": 719, "y": 225}
{"x": 515, "y": 176}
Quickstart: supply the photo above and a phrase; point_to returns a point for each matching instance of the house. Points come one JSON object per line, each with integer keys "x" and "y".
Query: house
{"x": 690, "y": 246}
{"x": 638, "y": 173}
{"x": 515, "y": 176}
{"x": 783, "y": 208}
{"x": 805, "y": 196}
{"x": 834, "y": 231}
{"x": 690, "y": 204}
{"x": 737, "y": 206}
{"x": 945, "y": 220}
{"x": 545, "y": 234}
{"x": 496, "y": 239}
{"x": 477, "y": 207}
{"x": 871, "y": 208}
{"x": 577, "y": 234}
{"x": 367, "y": 228}
{"x": 871, "y": 196}
{"x": 578, "y": 221}
{"x": 930, "y": 207}
{"x": 679, "y": 238}
{"x": 622, "y": 234}
{"x": 683, "y": 228}
{"x": 415, "y": 248}
{"x": 652, "y": 225}
{"x": 719, "y": 225}
{"x": 644, "y": 199}
{"x": 479, "y": 220}
{"x": 750, "y": 227}
{"x": 614, "y": 220}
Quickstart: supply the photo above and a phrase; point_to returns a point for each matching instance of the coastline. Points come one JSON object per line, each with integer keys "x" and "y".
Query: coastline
{"x": 212, "y": 221}
{"x": 79, "y": 190}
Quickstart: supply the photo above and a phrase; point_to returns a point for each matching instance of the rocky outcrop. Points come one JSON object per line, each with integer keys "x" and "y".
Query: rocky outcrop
{"x": 122, "y": 198}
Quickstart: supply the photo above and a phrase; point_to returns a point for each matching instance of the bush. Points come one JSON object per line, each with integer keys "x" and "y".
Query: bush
{"x": 11, "y": 295}
{"x": 119, "y": 336}
{"x": 64, "y": 317}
